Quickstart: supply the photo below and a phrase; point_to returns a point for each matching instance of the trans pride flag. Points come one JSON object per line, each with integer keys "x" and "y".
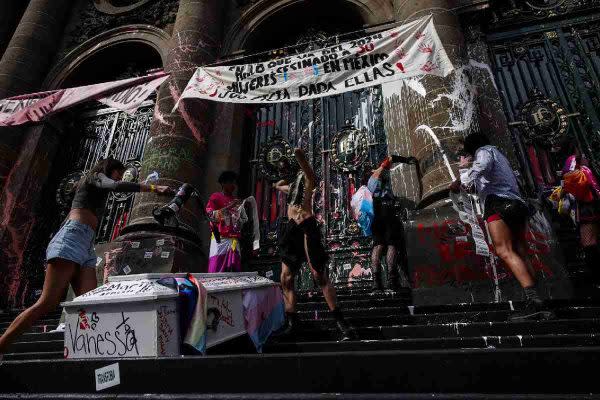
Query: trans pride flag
{"x": 264, "y": 313}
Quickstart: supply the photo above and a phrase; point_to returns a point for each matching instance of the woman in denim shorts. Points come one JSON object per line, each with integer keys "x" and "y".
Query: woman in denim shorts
{"x": 70, "y": 255}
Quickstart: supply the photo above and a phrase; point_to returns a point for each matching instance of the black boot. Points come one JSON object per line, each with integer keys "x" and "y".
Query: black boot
{"x": 346, "y": 331}
{"x": 290, "y": 326}
{"x": 377, "y": 285}
{"x": 592, "y": 260}
{"x": 393, "y": 281}
{"x": 535, "y": 308}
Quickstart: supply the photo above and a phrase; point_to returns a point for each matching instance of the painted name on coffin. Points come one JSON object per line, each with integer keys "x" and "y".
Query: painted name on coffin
{"x": 114, "y": 337}
{"x": 407, "y": 51}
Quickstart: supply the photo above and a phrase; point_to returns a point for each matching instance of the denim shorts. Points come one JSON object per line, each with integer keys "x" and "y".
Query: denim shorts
{"x": 73, "y": 242}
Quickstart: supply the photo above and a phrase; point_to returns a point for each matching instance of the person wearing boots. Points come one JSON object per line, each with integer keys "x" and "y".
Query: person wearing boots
{"x": 301, "y": 242}
{"x": 579, "y": 181}
{"x": 505, "y": 212}
{"x": 387, "y": 228}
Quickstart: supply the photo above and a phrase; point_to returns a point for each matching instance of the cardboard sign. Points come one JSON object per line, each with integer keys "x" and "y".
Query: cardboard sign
{"x": 108, "y": 376}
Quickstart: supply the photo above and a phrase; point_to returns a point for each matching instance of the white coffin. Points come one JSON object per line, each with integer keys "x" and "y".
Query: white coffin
{"x": 225, "y": 318}
{"x": 135, "y": 318}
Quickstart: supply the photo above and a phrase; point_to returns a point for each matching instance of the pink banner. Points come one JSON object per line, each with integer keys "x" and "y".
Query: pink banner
{"x": 126, "y": 95}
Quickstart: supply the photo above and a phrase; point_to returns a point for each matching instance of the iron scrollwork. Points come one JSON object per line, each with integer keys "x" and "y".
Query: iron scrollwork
{"x": 131, "y": 174}
{"x": 274, "y": 151}
{"x": 350, "y": 148}
{"x": 66, "y": 190}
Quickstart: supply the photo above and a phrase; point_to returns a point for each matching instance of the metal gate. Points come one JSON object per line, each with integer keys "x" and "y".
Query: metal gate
{"x": 548, "y": 77}
{"x": 95, "y": 134}
{"x": 332, "y": 130}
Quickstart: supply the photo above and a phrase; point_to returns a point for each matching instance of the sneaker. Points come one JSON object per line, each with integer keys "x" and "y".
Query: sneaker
{"x": 346, "y": 332}
{"x": 534, "y": 309}
{"x": 59, "y": 328}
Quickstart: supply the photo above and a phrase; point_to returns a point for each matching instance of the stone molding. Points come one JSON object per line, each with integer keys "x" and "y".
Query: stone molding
{"x": 259, "y": 11}
{"x": 147, "y": 34}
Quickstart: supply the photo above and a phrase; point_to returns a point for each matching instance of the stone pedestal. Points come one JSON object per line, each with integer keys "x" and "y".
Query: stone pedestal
{"x": 177, "y": 143}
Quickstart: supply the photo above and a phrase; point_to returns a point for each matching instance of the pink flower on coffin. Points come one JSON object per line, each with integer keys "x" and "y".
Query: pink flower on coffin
{"x": 428, "y": 66}
{"x": 419, "y": 35}
{"x": 394, "y": 34}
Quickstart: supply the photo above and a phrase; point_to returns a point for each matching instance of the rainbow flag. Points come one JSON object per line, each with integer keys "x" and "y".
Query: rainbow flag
{"x": 196, "y": 332}
{"x": 264, "y": 313}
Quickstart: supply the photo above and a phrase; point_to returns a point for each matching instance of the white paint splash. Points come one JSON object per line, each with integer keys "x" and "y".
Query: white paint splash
{"x": 417, "y": 86}
{"x": 461, "y": 113}
{"x": 484, "y": 66}
{"x": 437, "y": 142}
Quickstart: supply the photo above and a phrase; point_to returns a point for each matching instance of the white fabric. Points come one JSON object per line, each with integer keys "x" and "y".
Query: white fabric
{"x": 411, "y": 50}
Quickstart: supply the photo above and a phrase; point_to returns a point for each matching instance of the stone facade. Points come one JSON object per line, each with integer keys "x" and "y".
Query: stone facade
{"x": 54, "y": 43}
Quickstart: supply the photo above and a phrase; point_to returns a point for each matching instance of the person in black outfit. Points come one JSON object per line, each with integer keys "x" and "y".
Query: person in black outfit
{"x": 387, "y": 228}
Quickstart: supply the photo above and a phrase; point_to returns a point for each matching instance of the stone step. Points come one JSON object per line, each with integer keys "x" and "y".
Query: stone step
{"x": 7, "y": 318}
{"x": 292, "y": 396}
{"x": 34, "y": 355}
{"x": 488, "y": 371}
{"x": 40, "y": 326}
{"x": 516, "y": 341}
{"x": 352, "y": 303}
{"x": 401, "y": 315}
{"x": 326, "y": 331}
{"x": 41, "y": 346}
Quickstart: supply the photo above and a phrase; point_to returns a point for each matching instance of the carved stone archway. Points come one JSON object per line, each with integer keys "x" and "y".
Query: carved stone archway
{"x": 258, "y": 12}
{"x": 153, "y": 37}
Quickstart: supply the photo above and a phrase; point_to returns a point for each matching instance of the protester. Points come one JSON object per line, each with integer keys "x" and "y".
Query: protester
{"x": 387, "y": 228}
{"x": 505, "y": 212}
{"x": 70, "y": 255}
{"x": 301, "y": 242}
{"x": 223, "y": 212}
{"x": 580, "y": 182}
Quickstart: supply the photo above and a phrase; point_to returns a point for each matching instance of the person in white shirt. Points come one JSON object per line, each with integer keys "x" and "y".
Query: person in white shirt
{"x": 505, "y": 212}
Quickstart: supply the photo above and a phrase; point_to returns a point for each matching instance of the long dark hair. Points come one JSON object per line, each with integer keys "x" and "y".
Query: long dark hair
{"x": 107, "y": 166}
{"x": 473, "y": 142}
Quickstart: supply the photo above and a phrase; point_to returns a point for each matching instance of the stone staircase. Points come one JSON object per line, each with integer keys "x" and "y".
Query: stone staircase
{"x": 404, "y": 351}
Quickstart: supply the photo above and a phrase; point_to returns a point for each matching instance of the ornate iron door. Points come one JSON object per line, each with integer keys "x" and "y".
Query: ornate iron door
{"x": 548, "y": 78}
{"x": 329, "y": 130}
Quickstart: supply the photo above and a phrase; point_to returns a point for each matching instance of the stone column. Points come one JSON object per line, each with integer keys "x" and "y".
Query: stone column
{"x": 10, "y": 12}
{"x": 25, "y": 153}
{"x": 25, "y": 62}
{"x": 438, "y": 113}
{"x": 176, "y": 147}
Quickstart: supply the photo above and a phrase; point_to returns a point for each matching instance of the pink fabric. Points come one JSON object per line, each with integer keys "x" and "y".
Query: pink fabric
{"x": 218, "y": 201}
{"x": 231, "y": 261}
{"x": 259, "y": 303}
{"x": 28, "y": 108}
{"x": 591, "y": 179}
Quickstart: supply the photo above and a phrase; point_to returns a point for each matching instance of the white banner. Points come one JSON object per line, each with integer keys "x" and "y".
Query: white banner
{"x": 407, "y": 51}
{"x": 36, "y": 107}
{"x": 131, "y": 98}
